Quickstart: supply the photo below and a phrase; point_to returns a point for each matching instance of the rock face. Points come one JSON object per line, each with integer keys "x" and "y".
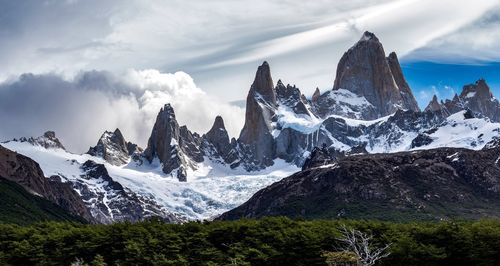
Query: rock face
{"x": 315, "y": 95}
{"x": 256, "y": 136}
{"x": 430, "y": 184}
{"x": 366, "y": 72}
{"x": 27, "y": 173}
{"x": 110, "y": 202}
{"x": 434, "y": 106}
{"x": 112, "y": 147}
{"x": 319, "y": 157}
{"x": 408, "y": 99}
{"x": 23, "y": 208}
{"x": 478, "y": 98}
{"x": 218, "y": 139}
{"x": 291, "y": 97}
{"x": 176, "y": 148}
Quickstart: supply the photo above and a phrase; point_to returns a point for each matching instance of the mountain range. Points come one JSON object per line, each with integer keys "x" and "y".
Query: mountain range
{"x": 379, "y": 154}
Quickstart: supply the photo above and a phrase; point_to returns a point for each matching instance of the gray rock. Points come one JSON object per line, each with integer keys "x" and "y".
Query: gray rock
{"x": 315, "y": 95}
{"x": 112, "y": 202}
{"x": 365, "y": 71}
{"x": 435, "y": 184}
{"x": 218, "y": 139}
{"x": 176, "y": 147}
{"x": 112, "y": 147}
{"x": 437, "y": 108}
{"x": 48, "y": 140}
{"x": 256, "y": 139}
{"x": 478, "y": 98}
{"x": 27, "y": 173}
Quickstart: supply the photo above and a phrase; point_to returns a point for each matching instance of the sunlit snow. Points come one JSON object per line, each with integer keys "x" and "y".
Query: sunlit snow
{"x": 209, "y": 191}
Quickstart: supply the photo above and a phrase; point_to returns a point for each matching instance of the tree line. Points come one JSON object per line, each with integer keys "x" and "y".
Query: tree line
{"x": 268, "y": 241}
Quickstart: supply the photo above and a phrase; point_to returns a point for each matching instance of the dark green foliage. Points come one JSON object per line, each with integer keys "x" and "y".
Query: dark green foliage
{"x": 21, "y": 207}
{"x": 269, "y": 241}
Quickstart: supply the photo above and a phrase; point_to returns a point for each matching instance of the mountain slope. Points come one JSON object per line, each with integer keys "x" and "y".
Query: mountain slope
{"x": 18, "y": 206}
{"x": 27, "y": 173}
{"x": 109, "y": 191}
{"x": 183, "y": 175}
{"x": 429, "y": 184}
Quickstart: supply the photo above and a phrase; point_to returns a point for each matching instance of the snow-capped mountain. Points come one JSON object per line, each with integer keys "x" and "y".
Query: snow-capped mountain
{"x": 184, "y": 175}
{"x": 139, "y": 189}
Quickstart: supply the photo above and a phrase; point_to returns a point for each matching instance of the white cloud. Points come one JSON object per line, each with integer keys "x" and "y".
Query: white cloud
{"x": 474, "y": 43}
{"x": 221, "y": 42}
{"x": 79, "y": 110}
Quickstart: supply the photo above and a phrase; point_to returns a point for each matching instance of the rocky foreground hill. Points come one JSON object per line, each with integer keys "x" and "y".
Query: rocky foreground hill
{"x": 444, "y": 183}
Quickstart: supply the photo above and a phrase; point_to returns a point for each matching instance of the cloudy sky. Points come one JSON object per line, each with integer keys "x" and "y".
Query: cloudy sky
{"x": 80, "y": 67}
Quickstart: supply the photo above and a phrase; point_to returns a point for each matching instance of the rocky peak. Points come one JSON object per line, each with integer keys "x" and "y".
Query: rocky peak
{"x": 479, "y": 90}
{"x": 292, "y": 97}
{"x": 263, "y": 84}
{"x": 112, "y": 147}
{"x": 256, "y": 135}
{"x": 315, "y": 95}
{"x": 478, "y": 98}
{"x": 365, "y": 71}
{"x": 48, "y": 140}
{"x": 165, "y": 131}
{"x": 163, "y": 142}
{"x": 408, "y": 100}
{"x": 175, "y": 147}
{"x": 218, "y": 132}
{"x": 218, "y": 137}
{"x": 436, "y": 107}
{"x": 368, "y": 36}
{"x": 433, "y": 105}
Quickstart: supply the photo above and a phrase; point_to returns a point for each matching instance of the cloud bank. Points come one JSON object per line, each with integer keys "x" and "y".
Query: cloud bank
{"x": 221, "y": 42}
{"x": 79, "y": 110}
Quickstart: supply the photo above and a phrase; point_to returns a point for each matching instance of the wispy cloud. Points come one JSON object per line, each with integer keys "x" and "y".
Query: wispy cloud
{"x": 219, "y": 42}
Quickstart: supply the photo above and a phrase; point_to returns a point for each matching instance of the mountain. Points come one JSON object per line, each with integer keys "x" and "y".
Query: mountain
{"x": 256, "y": 136}
{"x": 368, "y": 85}
{"x": 48, "y": 140}
{"x": 18, "y": 206}
{"x": 83, "y": 187}
{"x": 184, "y": 175}
{"x": 139, "y": 190}
{"x": 371, "y": 105}
{"x": 27, "y": 173}
{"x": 112, "y": 147}
{"x": 478, "y": 98}
{"x": 218, "y": 145}
{"x": 444, "y": 183}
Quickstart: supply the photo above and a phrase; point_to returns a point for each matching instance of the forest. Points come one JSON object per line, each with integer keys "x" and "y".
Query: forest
{"x": 267, "y": 241}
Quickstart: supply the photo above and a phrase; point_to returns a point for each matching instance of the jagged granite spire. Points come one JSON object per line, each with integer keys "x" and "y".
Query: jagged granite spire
{"x": 365, "y": 71}
{"x": 263, "y": 83}
{"x": 176, "y": 147}
{"x": 163, "y": 143}
{"x": 409, "y": 101}
{"x": 260, "y": 112}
